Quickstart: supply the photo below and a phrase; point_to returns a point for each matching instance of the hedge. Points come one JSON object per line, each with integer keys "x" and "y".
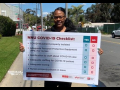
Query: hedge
{"x": 7, "y": 26}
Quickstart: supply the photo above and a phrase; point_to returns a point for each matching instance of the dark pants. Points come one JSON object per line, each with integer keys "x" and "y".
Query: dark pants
{"x": 57, "y": 84}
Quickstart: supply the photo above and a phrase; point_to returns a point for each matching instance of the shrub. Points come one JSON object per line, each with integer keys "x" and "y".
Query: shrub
{"x": 0, "y": 36}
{"x": 7, "y": 26}
{"x": 19, "y": 32}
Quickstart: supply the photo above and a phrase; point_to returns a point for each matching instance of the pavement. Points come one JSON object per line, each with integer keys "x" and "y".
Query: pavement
{"x": 14, "y": 76}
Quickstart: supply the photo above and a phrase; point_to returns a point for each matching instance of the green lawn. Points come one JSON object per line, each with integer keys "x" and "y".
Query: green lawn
{"x": 9, "y": 49}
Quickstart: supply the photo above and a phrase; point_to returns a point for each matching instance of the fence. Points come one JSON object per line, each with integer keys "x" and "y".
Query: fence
{"x": 88, "y": 29}
{"x": 108, "y": 28}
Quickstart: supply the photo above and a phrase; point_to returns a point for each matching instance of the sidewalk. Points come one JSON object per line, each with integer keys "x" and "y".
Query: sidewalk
{"x": 14, "y": 80}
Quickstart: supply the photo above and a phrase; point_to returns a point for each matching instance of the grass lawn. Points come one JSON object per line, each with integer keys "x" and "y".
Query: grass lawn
{"x": 9, "y": 50}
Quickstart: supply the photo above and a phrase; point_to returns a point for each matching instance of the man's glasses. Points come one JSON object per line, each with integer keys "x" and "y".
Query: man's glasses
{"x": 56, "y": 17}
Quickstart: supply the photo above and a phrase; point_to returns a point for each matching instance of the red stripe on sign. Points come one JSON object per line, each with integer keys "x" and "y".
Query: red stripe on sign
{"x": 93, "y": 39}
{"x": 41, "y": 75}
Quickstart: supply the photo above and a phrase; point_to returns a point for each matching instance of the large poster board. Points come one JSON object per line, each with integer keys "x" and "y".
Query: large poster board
{"x": 61, "y": 56}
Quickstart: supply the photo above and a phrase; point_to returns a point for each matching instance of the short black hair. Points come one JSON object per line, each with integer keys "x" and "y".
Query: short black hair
{"x": 68, "y": 22}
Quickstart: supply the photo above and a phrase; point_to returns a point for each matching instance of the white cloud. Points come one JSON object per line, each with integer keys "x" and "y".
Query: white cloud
{"x": 45, "y": 13}
{"x": 38, "y": 15}
{"x": 84, "y": 4}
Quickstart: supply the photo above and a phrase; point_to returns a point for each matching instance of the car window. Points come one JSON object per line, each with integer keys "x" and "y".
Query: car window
{"x": 118, "y": 28}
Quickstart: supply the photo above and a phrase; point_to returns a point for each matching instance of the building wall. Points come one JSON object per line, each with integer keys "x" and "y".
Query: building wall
{"x": 16, "y": 13}
{"x": 96, "y": 24}
{"x": 4, "y": 9}
{"x": 11, "y": 11}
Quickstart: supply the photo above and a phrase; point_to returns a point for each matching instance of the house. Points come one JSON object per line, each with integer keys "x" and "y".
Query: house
{"x": 4, "y": 10}
{"x": 14, "y": 12}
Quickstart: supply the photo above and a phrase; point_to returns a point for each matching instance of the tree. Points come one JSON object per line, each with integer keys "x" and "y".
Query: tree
{"x": 90, "y": 12}
{"x": 115, "y": 15}
{"x": 28, "y": 11}
{"x": 49, "y": 20}
{"x": 106, "y": 9}
{"x": 29, "y": 17}
{"x": 69, "y": 12}
{"x": 100, "y": 12}
{"x": 76, "y": 11}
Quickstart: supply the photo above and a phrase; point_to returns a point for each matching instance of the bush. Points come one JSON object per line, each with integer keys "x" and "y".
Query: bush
{"x": 0, "y": 36}
{"x": 19, "y": 32}
{"x": 7, "y": 26}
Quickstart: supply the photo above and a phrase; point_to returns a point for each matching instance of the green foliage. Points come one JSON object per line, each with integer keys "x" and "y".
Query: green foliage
{"x": 19, "y": 32}
{"x": 0, "y": 36}
{"x": 103, "y": 12}
{"x": 30, "y": 19}
{"x": 7, "y": 26}
{"x": 49, "y": 23}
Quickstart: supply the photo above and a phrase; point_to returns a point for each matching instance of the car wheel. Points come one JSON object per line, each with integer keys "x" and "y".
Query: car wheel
{"x": 113, "y": 35}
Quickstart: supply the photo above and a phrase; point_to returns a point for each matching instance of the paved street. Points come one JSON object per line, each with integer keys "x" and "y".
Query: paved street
{"x": 109, "y": 73}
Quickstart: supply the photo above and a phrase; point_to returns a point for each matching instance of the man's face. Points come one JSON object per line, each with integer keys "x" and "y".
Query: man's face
{"x": 59, "y": 18}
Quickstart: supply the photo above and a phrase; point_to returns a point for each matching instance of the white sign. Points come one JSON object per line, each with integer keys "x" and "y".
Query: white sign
{"x": 61, "y": 56}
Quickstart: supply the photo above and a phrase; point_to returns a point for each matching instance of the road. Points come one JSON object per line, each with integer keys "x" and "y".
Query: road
{"x": 109, "y": 72}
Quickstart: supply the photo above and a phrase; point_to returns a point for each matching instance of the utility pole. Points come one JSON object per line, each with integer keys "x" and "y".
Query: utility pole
{"x": 36, "y": 15}
{"x": 22, "y": 17}
{"x": 41, "y": 16}
{"x": 37, "y": 8}
{"x": 66, "y": 7}
{"x": 19, "y": 18}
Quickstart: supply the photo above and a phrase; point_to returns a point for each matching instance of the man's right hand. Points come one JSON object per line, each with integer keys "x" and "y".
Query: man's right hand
{"x": 21, "y": 47}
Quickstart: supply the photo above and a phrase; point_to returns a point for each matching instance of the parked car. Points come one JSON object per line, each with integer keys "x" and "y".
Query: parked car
{"x": 25, "y": 26}
{"x": 16, "y": 25}
{"x": 116, "y": 33}
{"x": 39, "y": 28}
{"x": 34, "y": 28}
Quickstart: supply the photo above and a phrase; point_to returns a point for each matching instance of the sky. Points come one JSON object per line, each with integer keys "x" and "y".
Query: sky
{"x": 48, "y": 7}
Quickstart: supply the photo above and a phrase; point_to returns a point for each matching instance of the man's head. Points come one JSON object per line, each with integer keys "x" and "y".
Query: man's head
{"x": 59, "y": 17}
